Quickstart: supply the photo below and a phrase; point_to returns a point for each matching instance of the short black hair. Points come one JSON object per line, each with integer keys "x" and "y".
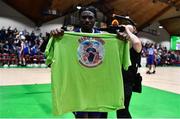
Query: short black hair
{"x": 92, "y": 9}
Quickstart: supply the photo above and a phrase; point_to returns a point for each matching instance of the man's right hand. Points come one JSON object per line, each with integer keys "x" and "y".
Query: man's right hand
{"x": 57, "y": 32}
{"x": 129, "y": 30}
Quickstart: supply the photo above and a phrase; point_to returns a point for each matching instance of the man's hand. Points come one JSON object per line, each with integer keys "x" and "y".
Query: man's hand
{"x": 129, "y": 29}
{"x": 128, "y": 35}
{"x": 57, "y": 32}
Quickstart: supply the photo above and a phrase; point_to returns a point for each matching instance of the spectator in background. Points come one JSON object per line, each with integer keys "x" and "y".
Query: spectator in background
{"x": 172, "y": 58}
{"x": 34, "y": 49}
{"x": 45, "y": 42}
{"x": 6, "y": 47}
{"x": 6, "y": 52}
{"x": 151, "y": 59}
{"x": 33, "y": 36}
{"x": 11, "y": 41}
{"x": 1, "y": 46}
{"x": 3, "y": 34}
{"x": 12, "y": 47}
{"x": 24, "y": 51}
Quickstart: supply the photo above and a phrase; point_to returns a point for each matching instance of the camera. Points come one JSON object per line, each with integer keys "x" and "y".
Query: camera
{"x": 114, "y": 29}
{"x": 121, "y": 28}
{"x": 115, "y": 23}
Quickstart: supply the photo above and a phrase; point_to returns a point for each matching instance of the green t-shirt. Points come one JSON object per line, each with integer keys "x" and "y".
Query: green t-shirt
{"x": 86, "y": 72}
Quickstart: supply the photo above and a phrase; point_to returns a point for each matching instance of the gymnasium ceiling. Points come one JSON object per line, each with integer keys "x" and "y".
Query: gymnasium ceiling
{"x": 143, "y": 12}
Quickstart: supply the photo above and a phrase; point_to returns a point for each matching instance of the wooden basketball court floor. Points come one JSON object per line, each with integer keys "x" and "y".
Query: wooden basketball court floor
{"x": 166, "y": 78}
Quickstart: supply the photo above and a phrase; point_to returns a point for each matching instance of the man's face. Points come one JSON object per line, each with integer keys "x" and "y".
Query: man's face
{"x": 87, "y": 20}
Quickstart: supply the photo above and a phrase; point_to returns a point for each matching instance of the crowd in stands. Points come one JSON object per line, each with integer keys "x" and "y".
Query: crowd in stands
{"x": 163, "y": 57}
{"x": 22, "y": 48}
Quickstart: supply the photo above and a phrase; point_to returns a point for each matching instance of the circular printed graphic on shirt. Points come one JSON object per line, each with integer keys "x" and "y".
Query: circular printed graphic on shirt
{"x": 90, "y": 51}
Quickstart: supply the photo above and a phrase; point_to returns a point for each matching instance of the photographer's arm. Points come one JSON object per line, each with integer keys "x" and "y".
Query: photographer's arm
{"x": 128, "y": 35}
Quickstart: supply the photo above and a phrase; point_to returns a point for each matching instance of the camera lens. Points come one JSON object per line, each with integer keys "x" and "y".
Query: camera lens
{"x": 121, "y": 29}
